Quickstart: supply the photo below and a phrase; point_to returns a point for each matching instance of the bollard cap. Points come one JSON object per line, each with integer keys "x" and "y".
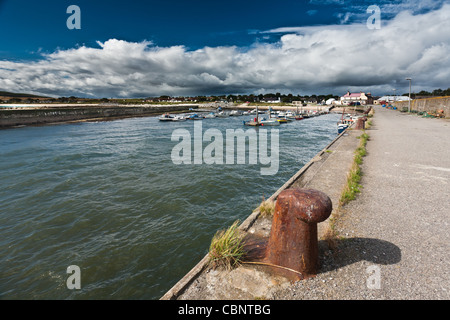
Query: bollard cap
{"x": 310, "y": 206}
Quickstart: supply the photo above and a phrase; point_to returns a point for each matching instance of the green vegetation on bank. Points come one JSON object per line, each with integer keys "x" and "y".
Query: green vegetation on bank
{"x": 349, "y": 192}
{"x": 227, "y": 248}
{"x": 354, "y": 177}
{"x": 267, "y": 208}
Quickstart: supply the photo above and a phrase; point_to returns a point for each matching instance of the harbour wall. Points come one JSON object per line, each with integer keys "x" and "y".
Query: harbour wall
{"x": 429, "y": 105}
{"x": 20, "y": 116}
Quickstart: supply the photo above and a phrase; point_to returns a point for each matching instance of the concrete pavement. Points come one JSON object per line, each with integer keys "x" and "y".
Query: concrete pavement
{"x": 396, "y": 240}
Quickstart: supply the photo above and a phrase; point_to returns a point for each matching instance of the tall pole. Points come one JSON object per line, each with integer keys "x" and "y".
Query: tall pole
{"x": 409, "y": 101}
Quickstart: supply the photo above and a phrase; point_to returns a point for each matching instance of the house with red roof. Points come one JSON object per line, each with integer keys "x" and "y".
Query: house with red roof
{"x": 356, "y": 98}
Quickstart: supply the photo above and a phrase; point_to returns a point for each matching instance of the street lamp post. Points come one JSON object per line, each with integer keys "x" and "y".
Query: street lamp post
{"x": 409, "y": 101}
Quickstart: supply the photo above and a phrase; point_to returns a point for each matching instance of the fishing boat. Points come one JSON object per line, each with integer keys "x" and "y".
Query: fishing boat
{"x": 343, "y": 124}
{"x": 298, "y": 115}
{"x": 255, "y": 122}
{"x": 272, "y": 121}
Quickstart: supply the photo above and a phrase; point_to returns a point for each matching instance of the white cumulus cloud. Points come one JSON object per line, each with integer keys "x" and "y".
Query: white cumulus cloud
{"x": 319, "y": 59}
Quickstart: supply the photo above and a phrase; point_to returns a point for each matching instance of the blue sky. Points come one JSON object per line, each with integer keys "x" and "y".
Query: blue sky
{"x": 144, "y": 48}
{"x": 28, "y": 27}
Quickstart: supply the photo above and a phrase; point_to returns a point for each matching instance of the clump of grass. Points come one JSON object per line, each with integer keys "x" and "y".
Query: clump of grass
{"x": 267, "y": 208}
{"x": 227, "y": 247}
{"x": 354, "y": 177}
{"x": 352, "y": 187}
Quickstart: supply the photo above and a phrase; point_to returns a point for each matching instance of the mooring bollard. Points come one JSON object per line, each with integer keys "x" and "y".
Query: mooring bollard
{"x": 360, "y": 123}
{"x": 293, "y": 242}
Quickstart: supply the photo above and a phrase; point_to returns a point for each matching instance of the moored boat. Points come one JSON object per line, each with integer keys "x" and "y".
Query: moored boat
{"x": 166, "y": 117}
{"x": 344, "y": 123}
{"x": 210, "y": 115}
{"x": 235, "y": 113}
{"x": 255, "y": 122}
{"x": 195, "y": 117}
{"x": 290, "y": 115}
{"x": 270, "y": 122}
{"x": 179, "y": 118}
{"x": 222, "y": 114}
{"x": 342, "y": 127}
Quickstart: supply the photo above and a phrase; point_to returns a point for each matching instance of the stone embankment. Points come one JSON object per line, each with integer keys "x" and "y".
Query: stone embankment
{"x": 435, "y": 105}
{"x": 20, "y": 116}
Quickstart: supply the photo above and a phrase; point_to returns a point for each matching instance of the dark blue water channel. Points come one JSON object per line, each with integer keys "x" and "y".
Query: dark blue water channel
{"x": 106, "y": 196}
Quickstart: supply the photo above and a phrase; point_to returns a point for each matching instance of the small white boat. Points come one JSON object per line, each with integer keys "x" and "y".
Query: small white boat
{"x": 166, "y": 117}
{"x": 235, "y": 113}
{"x": 222, "y": 114}
{"x": 256, "y": 111}
{"x": 179, "y": 118}
{"x": 289, "y": 114}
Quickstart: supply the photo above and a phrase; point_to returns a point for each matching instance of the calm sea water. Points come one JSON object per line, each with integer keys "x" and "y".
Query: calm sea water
{"x": 106, "y": 197}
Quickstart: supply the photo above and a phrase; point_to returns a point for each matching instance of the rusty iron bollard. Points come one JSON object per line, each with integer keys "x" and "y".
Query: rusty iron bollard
{"x": 293, "y": 239}
{"x": 360, "y": 123}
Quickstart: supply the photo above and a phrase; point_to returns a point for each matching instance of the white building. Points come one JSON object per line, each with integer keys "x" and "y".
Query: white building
{"x": 330, "y": 101}
{"x": 393, "y": 98}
